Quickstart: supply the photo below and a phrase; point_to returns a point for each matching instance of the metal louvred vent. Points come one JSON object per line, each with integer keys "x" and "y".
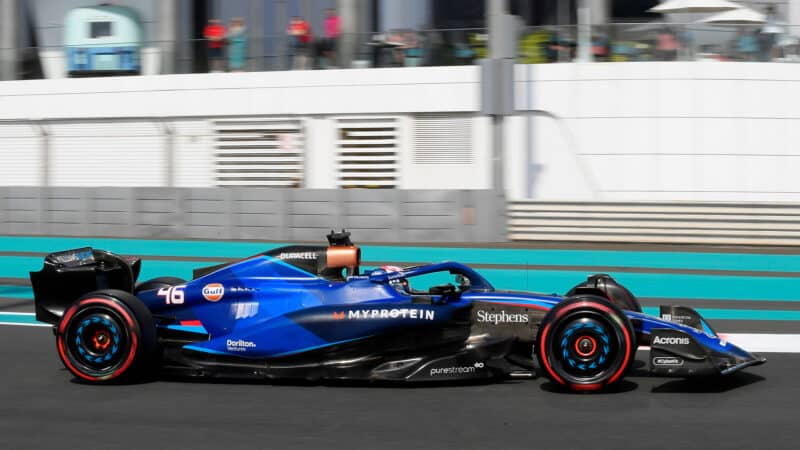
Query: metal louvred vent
{"x": 443, "y": 139}
{"x": 367, "y": 152}
{"x": 259, "y": 152}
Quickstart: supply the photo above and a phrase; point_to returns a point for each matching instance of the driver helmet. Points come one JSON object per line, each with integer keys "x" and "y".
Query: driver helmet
{"x": 390, "y": 269}
{"x": 400, "y": 284}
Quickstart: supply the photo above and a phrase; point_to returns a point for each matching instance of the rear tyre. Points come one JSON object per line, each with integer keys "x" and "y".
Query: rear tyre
{"x": 106, "y": 336}
{"x": 158, "y": 283}
{"x": 585, "y": 343}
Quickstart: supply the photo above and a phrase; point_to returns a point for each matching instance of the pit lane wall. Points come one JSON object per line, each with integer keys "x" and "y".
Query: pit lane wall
{"x": 274, "y": 214}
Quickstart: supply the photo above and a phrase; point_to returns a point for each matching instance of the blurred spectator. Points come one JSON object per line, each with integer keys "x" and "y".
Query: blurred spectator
{"x": 667, "y": 46}
{"x": 686, "y": 43}
{"x": 464, "y": 54}
{"x": 214, "y": 33}
{"x": 770, "y": 34}
{"x": 332, "y": 31}
{"x": 537, "y": 47}
{"x": 396, "y": 43}
{"x": 434, "y": 51}
{"x": 237, "y": 45}
{"x": 551, "y": 49}
{"x": 746, "y": 45}
{"x": 300, "y": 34}
{"x": 600, "y": 48}
{"x": 413, "y": 51}
{"x": 556, "y": 47}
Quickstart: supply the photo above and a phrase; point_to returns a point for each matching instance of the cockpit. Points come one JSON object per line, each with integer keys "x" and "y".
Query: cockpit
{"x": 434, "y": 282}
{"x": 437, "y": 283}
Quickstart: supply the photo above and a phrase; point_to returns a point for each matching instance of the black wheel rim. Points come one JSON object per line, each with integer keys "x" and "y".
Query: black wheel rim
{"x": 97, "y": 341}
{"x": 584, "y": 348}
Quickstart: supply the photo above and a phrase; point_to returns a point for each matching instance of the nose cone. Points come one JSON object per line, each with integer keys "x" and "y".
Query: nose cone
{"x": 735, "y": 358}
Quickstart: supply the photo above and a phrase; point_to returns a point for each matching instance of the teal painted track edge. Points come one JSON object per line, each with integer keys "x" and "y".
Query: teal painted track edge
{"x": 19, "y": 319}
{"x": 400, "y": 254}
{"x": 737, "y": 314}
{"x": 711, "y": 287}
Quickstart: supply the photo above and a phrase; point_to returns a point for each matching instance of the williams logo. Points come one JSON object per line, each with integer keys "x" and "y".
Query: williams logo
{"x": 502, "y": 317}
{"x": 667, "y": 361}
{"x": 663, "y": 340}
{"x": 239, "y": 345}
{"x": 394, "y": 313}
{"x": 213, "y": 292}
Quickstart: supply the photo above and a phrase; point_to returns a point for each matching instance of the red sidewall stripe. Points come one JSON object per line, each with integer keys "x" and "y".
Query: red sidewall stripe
{"x": 546, "y": 356}
{"x": 131, "y": 332}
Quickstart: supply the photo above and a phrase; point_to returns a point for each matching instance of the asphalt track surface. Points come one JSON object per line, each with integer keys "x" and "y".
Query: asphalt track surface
{"x": 42, "y": 406}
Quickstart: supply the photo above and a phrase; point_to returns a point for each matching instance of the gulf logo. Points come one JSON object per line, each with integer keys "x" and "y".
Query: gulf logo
{"x": 213, "y": 292}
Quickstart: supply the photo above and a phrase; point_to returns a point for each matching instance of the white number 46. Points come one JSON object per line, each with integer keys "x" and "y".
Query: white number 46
{"x": 173, "y": 295}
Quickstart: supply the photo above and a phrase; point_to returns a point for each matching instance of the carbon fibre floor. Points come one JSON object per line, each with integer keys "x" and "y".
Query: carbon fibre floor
{"x": 42, "y": 407}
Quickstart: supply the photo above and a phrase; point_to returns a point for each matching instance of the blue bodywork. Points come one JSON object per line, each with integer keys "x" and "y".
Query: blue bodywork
{"x": 266, "y": 306}
{"x": 308, "y": 312}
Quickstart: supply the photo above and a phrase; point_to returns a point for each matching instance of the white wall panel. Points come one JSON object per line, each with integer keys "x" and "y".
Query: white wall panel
{"x": 556, "y": 168}
{"x": 107, "y": 154}
{"x": 515, "y": 170}
{"x": 321, "y": 138}
{"x": 194, "y": 153}
{"x": 308, "y": 92}
{"x": 664, "y": 131}
{"x": 20, "y": 155}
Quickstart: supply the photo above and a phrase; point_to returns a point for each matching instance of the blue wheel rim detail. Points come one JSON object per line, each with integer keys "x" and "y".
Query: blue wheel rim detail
{"x": 579, "y": 329}
{"x": 96, "y": 341}
{"x": 585, "y": 363}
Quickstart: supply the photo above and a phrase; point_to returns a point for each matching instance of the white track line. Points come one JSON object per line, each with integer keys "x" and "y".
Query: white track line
{"x": 26, "y": 324}
{"x": 752, "y": 342}
{"x": 765, "y": 343}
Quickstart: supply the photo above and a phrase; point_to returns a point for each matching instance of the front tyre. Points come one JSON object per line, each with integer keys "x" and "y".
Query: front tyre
{"x": 585, "y": 343}
{"x": 106, "y": 336}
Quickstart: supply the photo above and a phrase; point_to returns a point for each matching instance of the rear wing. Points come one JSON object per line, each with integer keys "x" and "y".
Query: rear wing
{"x": 69, "y": 274}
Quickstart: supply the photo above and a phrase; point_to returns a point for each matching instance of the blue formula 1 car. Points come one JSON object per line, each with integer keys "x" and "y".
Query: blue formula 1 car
{"x": 307, "y": 312}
